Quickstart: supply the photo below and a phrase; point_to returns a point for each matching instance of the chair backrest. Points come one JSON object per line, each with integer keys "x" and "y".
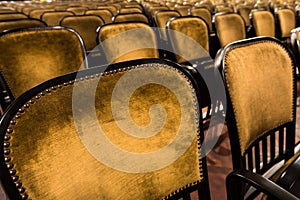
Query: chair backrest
{"x": 105, "y": 14}
{"x": 161, "y": 18}
{"x": 263, "y": 22}
{"x": 192, "y": 27}
{"x": 52, "y": 18}
{"x": 37, "y": 13}
{"x": 204, "y": 13}
{"x": 127, "y": 41}
{"x": 66, "y": 155}
{"x": 285, "y": 22}
{"x": 31, "y": 56}
{"x": 86, "y": 26}
{"x": 8, "y": 16}
{"x": 129, "y": 10}
{"x": 230, "y": 27}
{"x": 77, "y": 10}
{"x": 182, "y": 9}
{"x": 111, "y": 8}
{"x": 244, "y": 11}
{"x": 131, "y": 17}
{"x": 21, "y": 23}
{"x": 261, "y": 104}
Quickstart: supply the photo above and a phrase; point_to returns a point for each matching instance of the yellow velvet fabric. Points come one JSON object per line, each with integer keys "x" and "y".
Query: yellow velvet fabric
{"x": 230, "y": 28}
{"x": 37, "y": 13}
{"x": 255, "y": 108}
{"x": 77, "y": 10}
{"x": 244, "y": 11}
{"x": 8, "y": 16}
{"x": 154, "y": 9}
{"x": 86, "y": 26}
{"x": 52, "y": 162}
{"x": 105, "y": 14}
{"x": 264, "y": 23}
{"x": 112, "y": 9}
{"x": 220, "y": 9}
{"x": 204, "y": 14}
{"x": 162, "y": 18}
{"x": 128, "y": 41}
{"x": 287, "y": 21}
{"x": 24, "y": 23}
{"x": 195, "y": 29}
{"x": 29, "y": 58}
{"x": 131, "y": 17}
{"x": 130, "y": 10}
{"x": 53, "y": 18}
{"x": 182, "y": 9}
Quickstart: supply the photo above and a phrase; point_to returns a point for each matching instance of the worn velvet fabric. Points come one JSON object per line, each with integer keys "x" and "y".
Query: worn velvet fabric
{"x": 128, "y": 41}
{"x": 22, "y": 23}
{"x": 53, "y": 161}
{"x": 52, "y": 18}
{"x": 8, "y": 16}
{"x": 204, "y": 14}
{"x": 244, "y": 11}
{"x": 195, "y": 44}
{"x": 105, "y": 14}
{"x": 264, "y": 23}
{"x": 37, "y": 13}
{"x": 162, "y": 18}
{"x": 131, "y": 17}
{"x": 287, "y": 21}
{"x": 78, "y": 10}
{"x": 182, "y": 9}
{"x": 230, "y": 28}
{"x": 255, "y": 108}
{"x": 28, "y": 58}
{"x": 130, "y": 10}
{"x": 112, "y": 9}
{"x": 86, "y": 26}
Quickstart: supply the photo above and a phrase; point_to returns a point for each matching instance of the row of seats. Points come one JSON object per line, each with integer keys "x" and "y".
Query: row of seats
{"x": 57, "y": 137}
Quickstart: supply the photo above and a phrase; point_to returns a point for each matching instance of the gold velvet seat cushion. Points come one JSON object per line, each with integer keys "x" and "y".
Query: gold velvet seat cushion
{"x": 265, "y": 112}
{"x": 33, "y": 56}
{"x": 105, "y": 14}
{"x": 131, "y": 17}
{"x": 192, "y": 28}
{"x": 86, "y": 26}
{"x": 264, "y": 23}
{"x": 10, "y": 16}
{"x": 21, "y": 23}
{"x": 230, "y": 27}
{"x": 65, "y": 155}
{"x": 52, "y": 18}
{"x": 128, "y": 41}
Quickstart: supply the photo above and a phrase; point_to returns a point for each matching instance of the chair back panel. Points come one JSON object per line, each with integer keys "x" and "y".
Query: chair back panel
{"x": 130, "y": 10}
{"x": 264, "y": 23}
{"x": 205, "y": 14}
{"x": 161, "y": 19}
{"x": 20, "y": 23}
{"x": 86, "y": 26}
{"x": 230, "y": 27}
{"x": 105, "y": 14}
{"x": 194, "y": 28}
{"x": 37, "y": 13}
{"x": 287, "y": 21}
{"x": 244, "y": 11}
{"x": 131, "y": 17}
{"x": 266, "y": 78}
{"x": 77, "y": 10}
{"x": 29, "y": 57}
{"x": 56, "y": 158}
{"x": 52, "y": 18}
{"x": 111, "y": 8}
{"x": 128, "y": 41}
{"x": 9, "y": 16}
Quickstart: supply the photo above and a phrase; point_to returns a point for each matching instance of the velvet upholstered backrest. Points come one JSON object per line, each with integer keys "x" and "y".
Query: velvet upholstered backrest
{"x": 31, "y": 56}
{"x": 127, "y": 41}
{"x": 105, "y": 14}
{"x": 259, "y": 75}
{"x": 20, "y": 23}
{"x": 107, "y": 135}
{"x": 263, "y": 22}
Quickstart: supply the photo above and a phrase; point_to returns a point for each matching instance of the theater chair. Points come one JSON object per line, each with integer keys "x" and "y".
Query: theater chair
{"x": 20, "y": 23}
{"x": 65, "y": 139}
{"x": 31, "y": 56}
{"x": 259, "y": 76}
